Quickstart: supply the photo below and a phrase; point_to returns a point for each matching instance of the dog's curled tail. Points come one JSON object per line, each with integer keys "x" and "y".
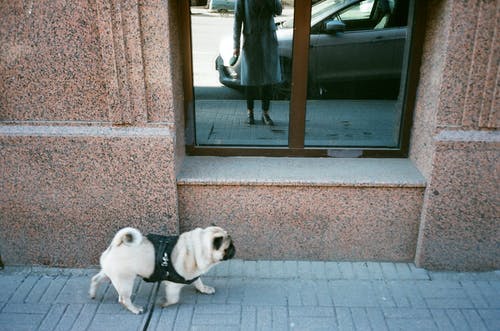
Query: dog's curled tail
{"x": 127, "y": 236}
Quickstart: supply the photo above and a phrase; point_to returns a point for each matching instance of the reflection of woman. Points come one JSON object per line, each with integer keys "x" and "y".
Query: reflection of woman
{"x": 260, "y": 67}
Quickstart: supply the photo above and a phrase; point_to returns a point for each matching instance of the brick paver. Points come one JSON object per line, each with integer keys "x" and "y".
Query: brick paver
{"x": 261, "y": 295}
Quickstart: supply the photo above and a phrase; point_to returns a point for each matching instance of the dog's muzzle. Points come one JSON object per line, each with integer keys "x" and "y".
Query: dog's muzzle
{"x": 229, "y": 252}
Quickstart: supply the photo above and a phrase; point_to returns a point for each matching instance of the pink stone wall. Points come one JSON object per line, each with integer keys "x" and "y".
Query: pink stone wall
{"x": 113, "y": 62}
{"x": 460, "y": 227}
{"x": 90, "y": 97}
{"x": 92, "y": 138}
{"x": 455, "y": 140}
{"x": 318, "y": 223}
{"x": 63, "y": 197}
{"x": 51, "y": 62}
{"x": 428, "y": 91}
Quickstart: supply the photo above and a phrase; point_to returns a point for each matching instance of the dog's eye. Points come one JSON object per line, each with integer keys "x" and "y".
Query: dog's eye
{"x": 218, "y": 242}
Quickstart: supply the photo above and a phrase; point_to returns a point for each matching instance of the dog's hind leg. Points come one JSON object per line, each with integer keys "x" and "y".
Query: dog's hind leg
{"x": 95, "y": 282}
{"x": 124, "y": 287}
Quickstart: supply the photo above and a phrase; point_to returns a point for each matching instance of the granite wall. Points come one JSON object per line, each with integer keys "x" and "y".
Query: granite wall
{"x": 309, "y": 222}
{"x": 91, "y": 139}
{"x": 88, "y": 136}
{"x": 455, "y": 142}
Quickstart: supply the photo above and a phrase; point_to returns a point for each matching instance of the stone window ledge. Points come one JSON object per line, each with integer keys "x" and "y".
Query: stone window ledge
{"x": 282, "y": 171}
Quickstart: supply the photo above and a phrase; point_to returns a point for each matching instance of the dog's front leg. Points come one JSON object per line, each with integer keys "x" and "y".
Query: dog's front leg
{"x": 172, "y": 293}
{"x": 203, "y": 288}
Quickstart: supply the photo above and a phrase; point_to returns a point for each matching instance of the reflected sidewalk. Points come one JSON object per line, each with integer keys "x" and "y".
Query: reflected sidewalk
{"x": 347, "y": 123}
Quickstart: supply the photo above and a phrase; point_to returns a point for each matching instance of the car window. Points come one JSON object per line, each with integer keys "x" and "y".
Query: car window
{"x": 357, "y": 16}
{"x": 359, "y": 11}
{"x": 319, "y": 11}
{"x": 368, "y": 15}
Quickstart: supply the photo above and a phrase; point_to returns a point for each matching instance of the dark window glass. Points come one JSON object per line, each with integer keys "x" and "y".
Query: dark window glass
{"x": 221, "y": 107}
{"x": 356, "y": 58}
{"x": 347, "y": 89}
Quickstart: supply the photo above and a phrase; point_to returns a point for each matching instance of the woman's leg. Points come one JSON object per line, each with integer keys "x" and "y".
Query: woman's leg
{"x": 266, "y": 101}
{"x": 266, "y": 97}
{"x": 250, "y": 96}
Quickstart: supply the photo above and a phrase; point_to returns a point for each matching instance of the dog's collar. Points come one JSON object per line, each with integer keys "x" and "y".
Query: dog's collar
{"x": 164, "y": 269}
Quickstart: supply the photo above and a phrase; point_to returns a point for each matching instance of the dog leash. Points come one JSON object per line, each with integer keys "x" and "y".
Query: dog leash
{"x": 151, "y": 307}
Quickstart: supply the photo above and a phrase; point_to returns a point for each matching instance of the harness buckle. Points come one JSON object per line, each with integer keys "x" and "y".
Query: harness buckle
{"x": 164, "y": 259}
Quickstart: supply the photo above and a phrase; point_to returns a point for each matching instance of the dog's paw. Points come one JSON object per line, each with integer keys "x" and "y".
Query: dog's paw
{"x": 132, "y": 308}
{"x": 165, "y": 303}
{"x": 137, "y": 310}
{"x": 206, "y": 289}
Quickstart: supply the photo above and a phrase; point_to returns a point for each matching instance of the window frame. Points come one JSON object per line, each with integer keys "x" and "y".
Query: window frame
{"x": 297, "y": 113}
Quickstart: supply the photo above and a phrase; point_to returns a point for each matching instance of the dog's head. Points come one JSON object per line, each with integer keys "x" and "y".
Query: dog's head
{"x": 221, "y": 243}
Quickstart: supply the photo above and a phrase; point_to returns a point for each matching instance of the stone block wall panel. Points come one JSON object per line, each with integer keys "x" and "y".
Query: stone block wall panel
{"x": 63, "y": 196}
{"x": 460, "y": 227}
{"x": 317, "y": 223}
{"x": 50, "y": 62}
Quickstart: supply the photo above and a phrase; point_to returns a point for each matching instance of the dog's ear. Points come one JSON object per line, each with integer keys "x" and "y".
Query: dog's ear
{"x": 213, "y": 224}
{"x": 218, "y": 242}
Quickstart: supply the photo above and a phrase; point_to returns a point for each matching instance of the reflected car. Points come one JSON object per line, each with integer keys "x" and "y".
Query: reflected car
{"x": 356, "y": 50}
{"x": 221, "y": 6}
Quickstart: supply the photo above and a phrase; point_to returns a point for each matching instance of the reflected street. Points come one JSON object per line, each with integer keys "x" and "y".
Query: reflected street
{"x": 208, "y": 29}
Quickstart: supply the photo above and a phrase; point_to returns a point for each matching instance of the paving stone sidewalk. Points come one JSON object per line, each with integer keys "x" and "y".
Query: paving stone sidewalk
{"x": 261, "y": 295}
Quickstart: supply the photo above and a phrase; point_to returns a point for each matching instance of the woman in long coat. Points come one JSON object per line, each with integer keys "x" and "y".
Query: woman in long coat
{"x": 260, "y": 66}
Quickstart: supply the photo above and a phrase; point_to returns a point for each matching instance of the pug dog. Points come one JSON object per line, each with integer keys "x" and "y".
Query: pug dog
{"x": 175, "y": 261}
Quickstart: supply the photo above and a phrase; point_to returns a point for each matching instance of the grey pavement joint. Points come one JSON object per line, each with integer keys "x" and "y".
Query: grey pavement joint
{"x": 261, "y": 295}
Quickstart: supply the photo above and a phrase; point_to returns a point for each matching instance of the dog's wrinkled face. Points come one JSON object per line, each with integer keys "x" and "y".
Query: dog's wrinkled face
{"x": 221, "y": 244}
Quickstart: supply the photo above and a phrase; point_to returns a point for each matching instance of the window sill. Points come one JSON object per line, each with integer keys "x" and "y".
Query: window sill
{"x": 282, "y": 171}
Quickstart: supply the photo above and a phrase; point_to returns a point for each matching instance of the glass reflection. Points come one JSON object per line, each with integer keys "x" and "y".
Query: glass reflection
{"x": 221, "y": 116}
{"x": 357, "y": 56}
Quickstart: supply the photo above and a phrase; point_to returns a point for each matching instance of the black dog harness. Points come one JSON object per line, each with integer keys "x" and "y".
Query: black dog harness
{"x": 164, "y": 270}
